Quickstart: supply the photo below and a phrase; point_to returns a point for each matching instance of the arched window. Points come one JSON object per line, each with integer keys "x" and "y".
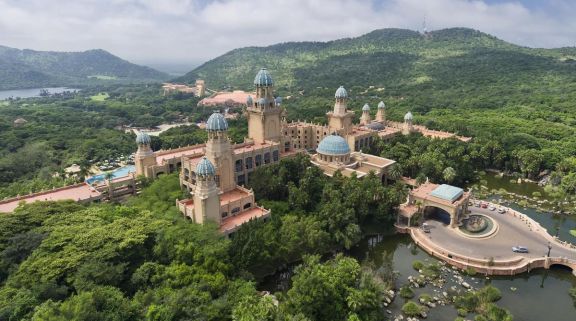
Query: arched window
{"x": 239, "y": 165}
{"x": 275, "y": 156}
{"x": 248, "y": 162}
{"x": 247, "y": 205}
{"x": 258, "y": 160}
{"x": 267, "y": 158}
{"x": 186, "y": 174}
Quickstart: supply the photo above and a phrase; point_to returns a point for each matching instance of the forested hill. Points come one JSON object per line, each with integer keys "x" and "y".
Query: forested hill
{"x": 393, "y": 58}
{"x": 29, "y": 69}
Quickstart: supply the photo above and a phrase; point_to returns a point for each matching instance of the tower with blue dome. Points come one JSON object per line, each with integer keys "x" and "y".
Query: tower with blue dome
{"x": 381, "y": 113}
{"x": 219, "y": 150}
{"x": 340, "y": 118}
{"x": 206, "y": 193}
{"x": 144, "y": 157}
{"x": 365, "y": 119}
{"x": 407, "y": 127}
{"x": 265, "y": 113}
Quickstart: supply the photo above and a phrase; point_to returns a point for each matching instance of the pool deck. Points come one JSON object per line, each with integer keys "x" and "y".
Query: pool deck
{"x": 493, "y": 255}
{"x": 79, "y": 193}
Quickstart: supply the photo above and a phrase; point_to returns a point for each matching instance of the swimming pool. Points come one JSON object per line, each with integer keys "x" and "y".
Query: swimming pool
{"x": 119, "y": 172}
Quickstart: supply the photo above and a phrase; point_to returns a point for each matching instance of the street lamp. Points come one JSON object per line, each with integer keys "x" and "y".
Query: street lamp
{"x": 549, "y": 249}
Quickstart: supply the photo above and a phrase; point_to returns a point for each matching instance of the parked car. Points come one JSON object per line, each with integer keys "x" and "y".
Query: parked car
{"x": 492, "y": 207}
{"x": 484, "y": 205}
{"x": 426, "y": 228}
{"x": 519, "y": 249}
{"x": 501, "y": 211}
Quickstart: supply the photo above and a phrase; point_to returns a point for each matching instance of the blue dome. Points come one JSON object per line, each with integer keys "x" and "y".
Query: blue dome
{"x": 408, "y": 116}
{"x": 381, "y": 105}
{"x": 366, "y": 107}
{"x": 341, "y": 93}
{"x": 262, "y": 102}
{"x": 333, "y": 145}
{"x": 205, "y": 168}
{"x": 263, "y": 78}
{"x": 249, "y": 101}
{"x": 143, "y": 139}
{"x": 216, "y": 122}
{"x": 278, "y": 100}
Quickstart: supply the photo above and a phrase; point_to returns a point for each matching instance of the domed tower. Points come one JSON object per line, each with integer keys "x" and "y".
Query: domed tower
{"x": 381, "y": 113}
{"x": 340, "y": 118}
{"x": 365, "y": 119}
{"x": 264, "y": 115}
{"x": 408, "y": 127}
{"x": 206, "y": 193}
{"x": 144, "y": 157}
{"x": 219, "y": 151}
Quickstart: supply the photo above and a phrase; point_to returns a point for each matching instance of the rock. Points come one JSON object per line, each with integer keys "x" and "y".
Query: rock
{"x": 445, "y": 294}
{"x": 466, "y": 285}
{"x": 388, "y": 311}
{"x": 431, "y": 304}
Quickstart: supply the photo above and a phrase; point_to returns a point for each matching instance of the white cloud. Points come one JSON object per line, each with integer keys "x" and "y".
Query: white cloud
{"x": 190, "y": 31}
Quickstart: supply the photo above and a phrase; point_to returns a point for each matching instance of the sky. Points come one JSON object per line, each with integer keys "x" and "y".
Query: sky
{"x": 189, "y": 32}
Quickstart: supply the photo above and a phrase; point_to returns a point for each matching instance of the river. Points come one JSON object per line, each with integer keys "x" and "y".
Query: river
{"x": 32, "y": 92}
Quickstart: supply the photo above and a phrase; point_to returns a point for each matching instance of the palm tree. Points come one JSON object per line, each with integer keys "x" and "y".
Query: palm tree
{"x": 449, "y": 174}
{"x": 395, "y": 172}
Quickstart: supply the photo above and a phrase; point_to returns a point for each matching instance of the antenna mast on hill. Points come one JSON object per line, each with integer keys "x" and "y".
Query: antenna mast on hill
{"x": 424, "y": 27}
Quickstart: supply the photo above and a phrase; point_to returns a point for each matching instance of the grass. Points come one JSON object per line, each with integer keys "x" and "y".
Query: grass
{"x": 573, "y": 232}
{"x": 100, "y": 97}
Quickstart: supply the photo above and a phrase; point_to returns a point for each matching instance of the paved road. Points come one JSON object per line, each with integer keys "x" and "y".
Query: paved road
{"x": 513, "y": 231}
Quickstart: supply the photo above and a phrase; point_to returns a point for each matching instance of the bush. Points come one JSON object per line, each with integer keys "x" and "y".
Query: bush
{"x": 406, "y": 292}
{"x": 470, "y": 271}
{"x": 412, "y": 309}
{"x": 417, "y": 265}
{"x": 462, "y": 312}
{"x": 425, "y": 298}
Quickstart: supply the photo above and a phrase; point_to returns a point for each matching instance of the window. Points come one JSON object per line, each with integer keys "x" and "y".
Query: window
{"x": 239, "y": 165}
{"x": 275, "y": 155}
{"x": 217, "y": 179}
{"x": 186, "y": 174}
{"x": 224, "y": 214}
{"x": 267, "y": 158}
{"x": 241, "y": 179}
{"x": 286, "y": 146}
{"x": 258, "y": 160}
{"x": 193, "y": 178}
{"x": 247, "y": 205}
{"x": 235, "y": 210}
{"x": 248, "y": 163}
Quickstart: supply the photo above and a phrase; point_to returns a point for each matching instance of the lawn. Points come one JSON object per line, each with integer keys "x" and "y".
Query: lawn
{"x": 99, "y": 97}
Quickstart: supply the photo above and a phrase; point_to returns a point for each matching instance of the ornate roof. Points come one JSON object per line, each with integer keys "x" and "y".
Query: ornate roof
{"x": 249, "y": 101}
{"x": 263, "y": 78}
{"x": 278, "y": 100}
{"x": 262, "y": 101}
{"x": 333, "y": 145}
{"x": 205, "y": 168}
{"x": 341, "y": 93}
{"x": 408, "y": 116}
{"x": 143, "y": 139}
{"x": 381, "y": 105}
{"x": 447, "y": 192}
{"x": 216, "y": 122}
{"x": 366, "y": 107}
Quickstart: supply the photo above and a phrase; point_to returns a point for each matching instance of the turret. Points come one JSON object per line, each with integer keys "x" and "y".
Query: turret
{"x": 265, "y": 116}
{"x": 381, "y": 113}
{"x": 219, "y": 150}
{"x": 206, "y": 193}
{"x": 407, "y": 127}
{"x": 144, "y": 158}
{"x": 365, "y": 118}
{"x": 340, "y": 118}
{"x": 341, "y": 103}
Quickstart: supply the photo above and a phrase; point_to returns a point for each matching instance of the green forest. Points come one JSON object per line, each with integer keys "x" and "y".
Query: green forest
{"x": 32, "y": 69}
{"x": 143, "y": 261}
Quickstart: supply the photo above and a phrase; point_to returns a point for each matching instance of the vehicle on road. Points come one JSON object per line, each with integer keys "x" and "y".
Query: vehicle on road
{"x": 426, "y": 228}
{"x": 501, "y": 211}
{"x": 519, "y": 249}
{"x": 484, "y": 205}
{"x": 492, "y": 207}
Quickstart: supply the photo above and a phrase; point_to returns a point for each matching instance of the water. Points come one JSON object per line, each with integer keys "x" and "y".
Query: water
{"x": 33, "y": 92}
{"x": 494, "y": 181}
{"x": 120, "y": 172}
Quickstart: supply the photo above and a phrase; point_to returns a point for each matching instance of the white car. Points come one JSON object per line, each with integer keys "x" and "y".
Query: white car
{"x": 519, "y": 249}
{"x": 492, "y": 207}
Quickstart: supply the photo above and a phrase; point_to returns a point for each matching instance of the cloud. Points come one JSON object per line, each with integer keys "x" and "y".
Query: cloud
{"x": 191, "y": 31}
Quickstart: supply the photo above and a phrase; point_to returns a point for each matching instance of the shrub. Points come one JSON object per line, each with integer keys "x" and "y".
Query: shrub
{"x": 417, "y": 265}
{"x": 412, "y": 309}
{"x": 470, "y": 271}
{"x": 462, "y": 312}
{"x": 425, "y": 298}
{"x": 406, "y": 292}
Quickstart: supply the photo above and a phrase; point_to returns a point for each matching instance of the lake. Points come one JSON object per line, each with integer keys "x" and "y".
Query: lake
{"x": 32, "y": 92}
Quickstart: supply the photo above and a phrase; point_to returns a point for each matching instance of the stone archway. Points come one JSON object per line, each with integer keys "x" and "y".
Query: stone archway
{"x": 438, "y": 214}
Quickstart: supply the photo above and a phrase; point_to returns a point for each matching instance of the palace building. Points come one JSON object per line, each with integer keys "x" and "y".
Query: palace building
{"x": 214, "y": 173}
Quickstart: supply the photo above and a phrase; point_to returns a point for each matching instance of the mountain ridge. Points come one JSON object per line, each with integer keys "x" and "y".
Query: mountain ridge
{"x": 27, "y": 68}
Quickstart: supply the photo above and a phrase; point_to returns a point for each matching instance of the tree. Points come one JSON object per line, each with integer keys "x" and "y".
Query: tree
{"x": 395, "y": 172}
{"x": 449, "y": 174}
